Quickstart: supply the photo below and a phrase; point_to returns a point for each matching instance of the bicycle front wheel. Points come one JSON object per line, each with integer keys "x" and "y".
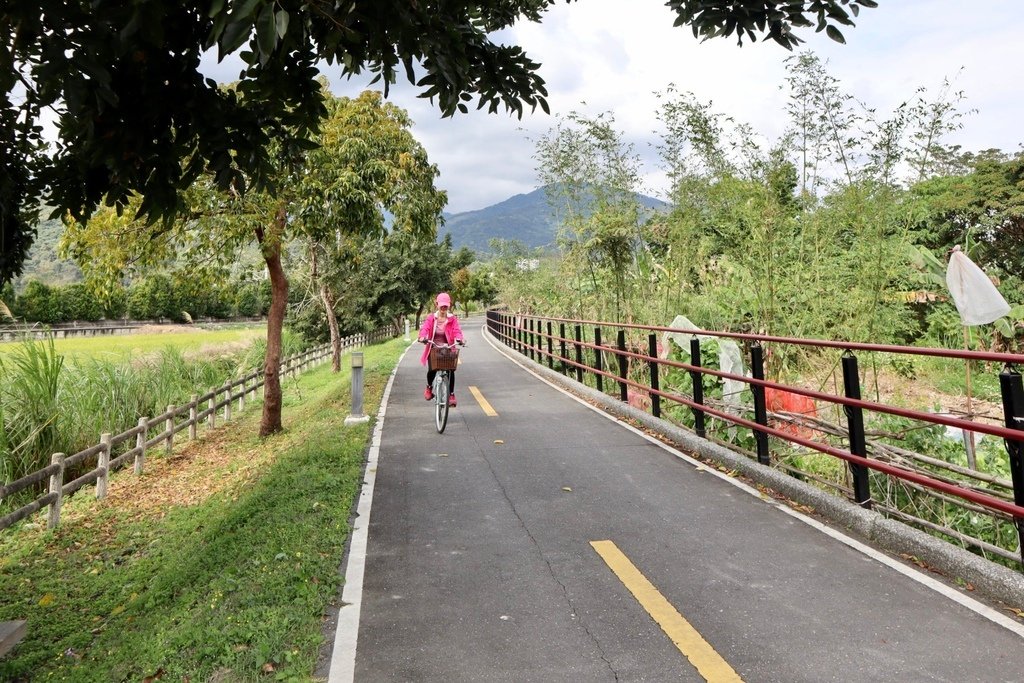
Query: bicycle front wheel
{"x": 441, "y": 405}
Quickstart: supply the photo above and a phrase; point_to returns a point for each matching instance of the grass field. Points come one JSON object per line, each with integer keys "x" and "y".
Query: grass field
{"x": 188, "y": 339}
{"x": 216, "y": 565}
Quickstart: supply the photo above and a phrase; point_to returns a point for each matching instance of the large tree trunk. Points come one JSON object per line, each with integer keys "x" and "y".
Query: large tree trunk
{"x": 271, "y": 422}
{"x": 332, "y": 322}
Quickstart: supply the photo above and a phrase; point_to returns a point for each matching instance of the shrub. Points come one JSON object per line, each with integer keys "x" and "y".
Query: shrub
{"x": 247, "y": 300}
{"x": 78, "y": 303}
{"x": 152, "y": 298}
{"x": 38, "y": 303}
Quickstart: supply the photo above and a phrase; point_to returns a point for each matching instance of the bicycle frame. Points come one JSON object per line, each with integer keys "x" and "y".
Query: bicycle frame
{"x": 442, "y": 382}
{"x": 441, "y": 388}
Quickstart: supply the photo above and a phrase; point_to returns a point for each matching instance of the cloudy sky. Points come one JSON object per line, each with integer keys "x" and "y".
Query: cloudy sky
{"x": 612, "y": 56}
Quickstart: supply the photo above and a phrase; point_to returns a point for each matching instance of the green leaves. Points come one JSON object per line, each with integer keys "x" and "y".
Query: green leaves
{"x": 266, "y": 33}
{"x": 281, "y": 23}
{"x": 774, "y": 18}
{"x": 834, "y": 33}
{"x": 134, "y": 110}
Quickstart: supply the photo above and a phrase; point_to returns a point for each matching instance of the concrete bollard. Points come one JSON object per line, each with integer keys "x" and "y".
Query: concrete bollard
{"x": 357, "y": 415}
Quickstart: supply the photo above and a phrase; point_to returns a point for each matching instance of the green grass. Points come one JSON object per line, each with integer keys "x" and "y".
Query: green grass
{"x": 134, "y": 345}
{"x": 217, "y": 564}
{"x": 52, "y": 404}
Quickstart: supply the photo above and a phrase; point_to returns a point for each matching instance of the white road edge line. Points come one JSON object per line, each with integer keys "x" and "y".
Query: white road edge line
{"x": 927, "y": 581}
{"x": 343, "y": 656}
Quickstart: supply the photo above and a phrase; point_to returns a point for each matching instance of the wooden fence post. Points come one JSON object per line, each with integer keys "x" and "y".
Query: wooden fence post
{"x": 241, "y": 397}
{"x": 211, "y": 419}
{"x": 56, "y": 484}
{"x": 140, "y": 443}
{"x": 104, "y": 465}
{"x": 169, "y": 428}
{"x": 193, "y": 412}
{"x": 227, "y": 402}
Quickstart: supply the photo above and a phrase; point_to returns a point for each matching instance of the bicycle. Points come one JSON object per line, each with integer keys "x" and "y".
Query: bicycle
{"x": 444, "y": 358}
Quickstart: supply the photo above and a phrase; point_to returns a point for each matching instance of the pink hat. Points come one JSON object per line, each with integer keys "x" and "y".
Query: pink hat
{"x": 444, "y": 300}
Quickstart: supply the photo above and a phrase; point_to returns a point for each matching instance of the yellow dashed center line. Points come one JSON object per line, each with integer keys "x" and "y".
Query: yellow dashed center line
{"x": 488, "y": 410}
{"x": 702, "y": 656}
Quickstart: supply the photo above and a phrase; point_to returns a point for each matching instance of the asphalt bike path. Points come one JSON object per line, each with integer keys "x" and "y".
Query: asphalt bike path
{"x": 539, "y": 540}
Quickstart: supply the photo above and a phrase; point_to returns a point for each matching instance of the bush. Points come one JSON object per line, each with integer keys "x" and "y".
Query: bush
{"x": 152, "y": 298}
{"x": 116, "y": 304}
{"x": 205, "y": 300}
{"x": 247, "y": 300}
{"x": 38, "y": 303}
{"x": 78, "y": 303}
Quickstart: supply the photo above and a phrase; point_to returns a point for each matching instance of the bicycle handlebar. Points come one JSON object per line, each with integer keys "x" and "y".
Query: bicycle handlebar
{"x": 430, "y": 342}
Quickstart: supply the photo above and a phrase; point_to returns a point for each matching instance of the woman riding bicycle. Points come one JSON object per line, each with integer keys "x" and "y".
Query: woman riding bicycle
{"x": 440, "y": 327}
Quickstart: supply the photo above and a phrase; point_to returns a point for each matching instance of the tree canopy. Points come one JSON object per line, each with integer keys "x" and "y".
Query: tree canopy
{"x": 135, "y": 115}
{"x": 363, "y": 161}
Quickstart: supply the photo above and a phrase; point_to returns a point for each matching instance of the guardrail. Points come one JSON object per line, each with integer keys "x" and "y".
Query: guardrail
{"x": 201, "y": 408}
{"x": 632, "y": 366}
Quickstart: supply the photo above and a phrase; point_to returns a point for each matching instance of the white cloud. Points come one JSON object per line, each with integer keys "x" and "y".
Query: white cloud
{"x": 613, "y": 56}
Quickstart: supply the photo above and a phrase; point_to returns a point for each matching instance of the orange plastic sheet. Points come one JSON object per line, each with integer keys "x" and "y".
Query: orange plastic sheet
{"x": 777, "y": 400}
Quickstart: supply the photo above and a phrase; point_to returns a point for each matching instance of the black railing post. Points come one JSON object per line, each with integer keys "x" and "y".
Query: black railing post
{"x": 652, "y": 351}
{"x": 760, "y": 410}
{"x": 551, "y": 356}
{"x": 697, "y": 379}
{"x": 561, "y": 347}
{"x": 532, "y": 340}
{"x": 597, "y": 359}
{"x": 1013, "y": 412}
{"x": 620, "y": 341}
{"x": 579, "y": 354}
{"x": 855, "y": 422}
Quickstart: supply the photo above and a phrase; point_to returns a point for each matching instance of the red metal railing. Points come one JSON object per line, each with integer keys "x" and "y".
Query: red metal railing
{"x": 536, "y": 337}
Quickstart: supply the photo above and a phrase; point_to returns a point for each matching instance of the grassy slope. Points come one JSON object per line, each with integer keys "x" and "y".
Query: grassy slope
{"x": 216, "y": 564}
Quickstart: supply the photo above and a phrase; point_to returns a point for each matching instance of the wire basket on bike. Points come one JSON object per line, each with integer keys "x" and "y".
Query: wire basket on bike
{"x": 443, "y": 359}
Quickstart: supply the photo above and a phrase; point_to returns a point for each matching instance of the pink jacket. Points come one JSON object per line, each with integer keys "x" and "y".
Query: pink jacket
{"x": 452, "y": 333}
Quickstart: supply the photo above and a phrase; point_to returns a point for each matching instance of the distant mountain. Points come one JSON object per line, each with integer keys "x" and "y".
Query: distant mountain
{"x": 43, "y": 263}
{"x": 524, "y": 217}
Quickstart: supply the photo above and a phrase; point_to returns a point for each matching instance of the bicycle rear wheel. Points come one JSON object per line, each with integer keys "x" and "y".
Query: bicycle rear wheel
{"x": 441, "y": 399}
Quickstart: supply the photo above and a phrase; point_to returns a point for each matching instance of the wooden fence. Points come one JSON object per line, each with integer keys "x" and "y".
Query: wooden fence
{"x": 204, "y": 408}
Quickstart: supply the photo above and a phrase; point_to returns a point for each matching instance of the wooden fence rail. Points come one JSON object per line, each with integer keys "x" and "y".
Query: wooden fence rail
{"x": 172, "y": 421}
